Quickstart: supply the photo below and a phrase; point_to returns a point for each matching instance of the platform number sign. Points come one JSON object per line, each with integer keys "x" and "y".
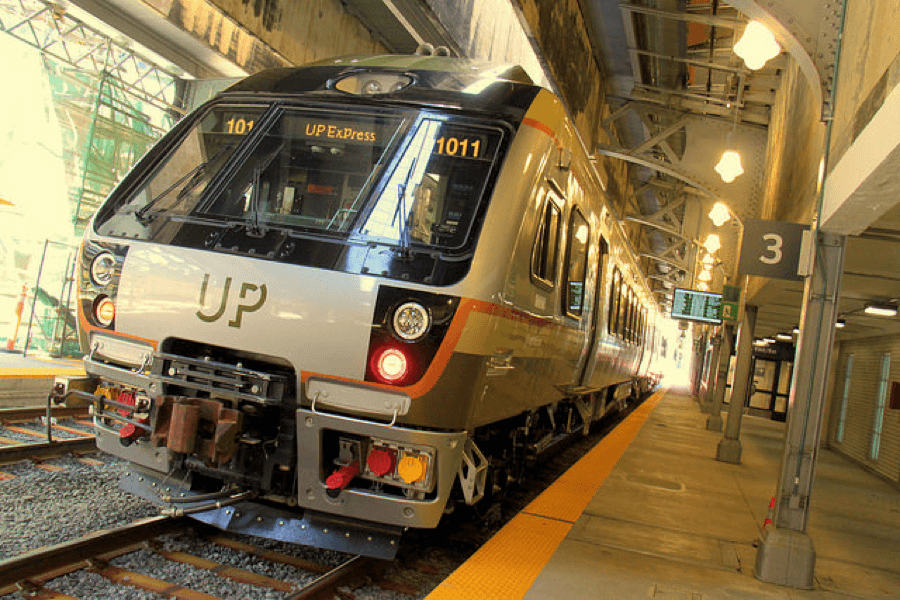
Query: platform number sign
{"x": 771, "y": 249}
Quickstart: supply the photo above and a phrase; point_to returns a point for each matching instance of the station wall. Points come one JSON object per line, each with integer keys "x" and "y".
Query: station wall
{"x": 858, "y": 405}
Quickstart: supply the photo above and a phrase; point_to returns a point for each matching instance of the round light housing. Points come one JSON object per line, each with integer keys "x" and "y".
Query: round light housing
{"x": 411, "y": 321}
{"x": 391, "y": 365}
{"x": 412, "y": 468}
{"x": 103, "y": 267}
{"x": 104, "y": 311}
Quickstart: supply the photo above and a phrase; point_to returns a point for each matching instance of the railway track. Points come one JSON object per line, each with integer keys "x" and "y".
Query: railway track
{"x": 32, "y": 573}
{"x": 39, "y": 444}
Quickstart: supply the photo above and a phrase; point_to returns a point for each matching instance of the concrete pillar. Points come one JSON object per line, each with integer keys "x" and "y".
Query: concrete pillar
{"x": 786, "y": 555}
{"x": 714, "y": 421}
{"x": 729, "y": 449}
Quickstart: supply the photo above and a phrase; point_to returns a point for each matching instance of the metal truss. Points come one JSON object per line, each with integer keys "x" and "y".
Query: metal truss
{"x": 46, "y": 27}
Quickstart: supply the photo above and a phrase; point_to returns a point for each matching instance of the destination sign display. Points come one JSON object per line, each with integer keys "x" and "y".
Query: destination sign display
{"x": 691, "y": 305}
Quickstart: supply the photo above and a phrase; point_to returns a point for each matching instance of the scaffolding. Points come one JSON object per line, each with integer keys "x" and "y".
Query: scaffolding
{"x": 112, "y": 104}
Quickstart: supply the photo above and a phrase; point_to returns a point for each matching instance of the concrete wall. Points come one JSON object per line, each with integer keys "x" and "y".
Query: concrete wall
{"x": 301, "y": 31}
{"x": 868, "y": 71}
{"x": 862, "y": 404}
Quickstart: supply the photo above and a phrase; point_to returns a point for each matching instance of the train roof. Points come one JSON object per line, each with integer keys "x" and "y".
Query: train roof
{"x": 439, "y": 80}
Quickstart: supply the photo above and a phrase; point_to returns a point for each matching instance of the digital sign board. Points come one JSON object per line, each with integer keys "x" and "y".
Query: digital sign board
{"x": 691, "y": 305}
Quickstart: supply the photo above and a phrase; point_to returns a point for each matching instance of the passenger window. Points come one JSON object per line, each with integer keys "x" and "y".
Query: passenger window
{"x": 576, "y": 266}
{"x": 546, "y": 244}
{"x": 615, "y": 292}
{"x": 624, "y": 302}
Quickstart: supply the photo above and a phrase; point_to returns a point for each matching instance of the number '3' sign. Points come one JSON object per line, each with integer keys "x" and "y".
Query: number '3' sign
{"x": 771, "y": 249}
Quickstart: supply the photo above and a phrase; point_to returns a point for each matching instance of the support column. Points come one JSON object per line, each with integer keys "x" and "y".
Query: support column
{"x": 714, "y": 421}
{"x": 729, "y": 449}
{"x": 786, "y": 555}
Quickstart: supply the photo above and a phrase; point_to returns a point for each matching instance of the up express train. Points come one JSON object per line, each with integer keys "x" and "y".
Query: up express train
{"x": 337, "y": 301}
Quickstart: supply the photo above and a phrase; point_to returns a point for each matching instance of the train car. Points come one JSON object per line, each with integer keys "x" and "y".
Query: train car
{"x": 337, "y": 301}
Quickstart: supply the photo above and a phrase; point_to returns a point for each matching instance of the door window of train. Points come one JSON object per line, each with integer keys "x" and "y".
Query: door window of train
{"x": 546, "y": 243}
{"x": 436, "y": 186}
{"x": 576, "y": 265}
{"x": 615, "y": 298}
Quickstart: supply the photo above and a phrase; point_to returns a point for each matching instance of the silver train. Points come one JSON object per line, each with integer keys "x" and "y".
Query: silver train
{"x": 338, "y": 301}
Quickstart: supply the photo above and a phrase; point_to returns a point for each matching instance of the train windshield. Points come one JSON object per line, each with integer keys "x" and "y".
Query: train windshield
{"x": 403, "y": 177}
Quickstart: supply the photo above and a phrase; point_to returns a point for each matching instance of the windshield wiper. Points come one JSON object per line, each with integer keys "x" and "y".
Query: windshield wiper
{"x": 254, "y": 229}
{"x": 194, "y": 180}
{"x": 401, "y": 214}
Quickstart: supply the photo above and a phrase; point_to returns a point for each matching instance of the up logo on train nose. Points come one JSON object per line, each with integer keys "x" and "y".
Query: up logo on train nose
{"x": 246, "y": 288}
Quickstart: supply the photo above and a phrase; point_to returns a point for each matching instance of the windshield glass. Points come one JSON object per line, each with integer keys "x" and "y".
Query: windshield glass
{"x": 404, "y": 177}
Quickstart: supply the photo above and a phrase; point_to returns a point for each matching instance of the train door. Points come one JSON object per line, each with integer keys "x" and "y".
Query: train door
{"x": 594, "y": 334}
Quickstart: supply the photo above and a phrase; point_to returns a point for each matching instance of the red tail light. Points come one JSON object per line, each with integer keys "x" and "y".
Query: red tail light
{"x": 390, "y": 365}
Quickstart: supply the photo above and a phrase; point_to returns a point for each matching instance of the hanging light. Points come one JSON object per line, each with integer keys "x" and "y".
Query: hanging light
{"x": 702, "y": 287}
{"x": 729, "y": 166}
{"x": 881, "y": 309}
{"x": 708, "y": 260}
{"x": 757, "y": 45}
{"x": 712, "y": 243}
{"x": 719, "y": 214}
{"x": 704, "y": 276}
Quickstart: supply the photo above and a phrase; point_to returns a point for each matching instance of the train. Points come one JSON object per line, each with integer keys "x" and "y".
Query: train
{"x": 341, "y": 300}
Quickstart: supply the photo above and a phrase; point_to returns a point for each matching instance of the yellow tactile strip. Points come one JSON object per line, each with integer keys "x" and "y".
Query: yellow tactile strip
{"x": 507, "y": 565}
{"x": 49, "y": 373}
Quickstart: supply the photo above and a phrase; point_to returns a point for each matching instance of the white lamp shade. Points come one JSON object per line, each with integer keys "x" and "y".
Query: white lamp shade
{"x": 757, "y": 45}
{"x": 719, "y": 213}
{"x": 712, "y": 243}
{"x": 729, "y": 166}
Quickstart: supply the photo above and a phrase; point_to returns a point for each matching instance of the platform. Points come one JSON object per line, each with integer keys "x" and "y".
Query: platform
{"x": 26, "y": 380}
{"x": 649, "y": 513}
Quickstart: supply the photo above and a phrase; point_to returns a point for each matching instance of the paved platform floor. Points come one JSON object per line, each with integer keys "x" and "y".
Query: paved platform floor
{"x": 26, "y": 380}
{"x": 672, "y": 523}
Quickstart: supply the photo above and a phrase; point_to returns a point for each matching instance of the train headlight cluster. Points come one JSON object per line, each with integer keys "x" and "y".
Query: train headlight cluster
{"x": 411, "y": 321}
{"x": 104, "y": 310}
{"x": 103, "y": 267}
{"x": 391, "y": 365}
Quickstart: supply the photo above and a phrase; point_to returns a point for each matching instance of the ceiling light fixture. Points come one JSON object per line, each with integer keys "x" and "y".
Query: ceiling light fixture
{"x": 702, "y": 287}
{"x": 881, "y": 310}
{"x": 719, "y": 213}
{"x": 712, "y": 243}
{"x": 840, "y": 324}
{"x": 729, "y": 166}
{"x": 704, "y": 276}
{"x": 784, "y": 337}
{"x": 757, "y": 45}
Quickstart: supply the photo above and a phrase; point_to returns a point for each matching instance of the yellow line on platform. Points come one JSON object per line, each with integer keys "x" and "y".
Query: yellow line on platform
{"x": 23, "y": 373}
{"x": 507, "y": 565}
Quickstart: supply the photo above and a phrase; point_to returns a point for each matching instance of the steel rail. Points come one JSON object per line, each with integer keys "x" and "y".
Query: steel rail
{"x": 25, "y": 451}
{"x": 76, "y": 553}
{"x": 329, "y": 581}
{"x": 9, "y": 415}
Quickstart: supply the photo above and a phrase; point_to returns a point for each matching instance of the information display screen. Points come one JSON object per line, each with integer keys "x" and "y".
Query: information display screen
{"x": 692, "y": 305}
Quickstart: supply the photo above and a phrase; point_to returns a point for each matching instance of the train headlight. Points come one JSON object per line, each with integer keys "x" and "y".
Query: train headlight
{"x": 104, "y": 310}
{"x": 391, "y": 365}
{"x": 103, "y": 267}
{"x": 411, "y": 321}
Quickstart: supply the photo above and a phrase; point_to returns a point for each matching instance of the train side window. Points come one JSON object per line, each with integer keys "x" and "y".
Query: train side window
{"x": 615, "y": 292}
{"x": 622, "y": 326}
{"x": 576, "y": 265}
{"x": 633, "y": 320}
{"x": 546, "y": 245}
